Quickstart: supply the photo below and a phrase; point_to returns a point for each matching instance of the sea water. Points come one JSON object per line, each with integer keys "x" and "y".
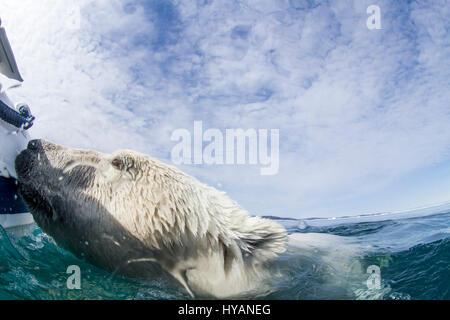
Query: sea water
{"x": 332, "y": 259}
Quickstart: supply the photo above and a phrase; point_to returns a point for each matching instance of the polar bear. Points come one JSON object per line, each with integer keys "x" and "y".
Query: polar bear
{"x": 132, "y": 214}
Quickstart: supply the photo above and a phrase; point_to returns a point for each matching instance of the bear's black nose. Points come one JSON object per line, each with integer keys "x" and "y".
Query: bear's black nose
{"x": 33, "y": 145}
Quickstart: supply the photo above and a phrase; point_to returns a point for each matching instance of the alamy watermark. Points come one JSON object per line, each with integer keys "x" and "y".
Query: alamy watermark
{"x": 73, "y": 21}
{"x": 374, "y": 280}
{"x": 74, "y": 280}
{"x": 234, "y": 146}
{"x": 374, "y": 20}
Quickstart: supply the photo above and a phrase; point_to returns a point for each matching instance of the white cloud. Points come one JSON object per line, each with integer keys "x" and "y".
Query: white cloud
{"x": 357, "y": 109}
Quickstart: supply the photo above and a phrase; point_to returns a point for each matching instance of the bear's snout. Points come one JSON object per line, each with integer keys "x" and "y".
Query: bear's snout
{"x": 34, "y": 145}
{"x": 27, "y": 159}
{"x": 24, "y": 163}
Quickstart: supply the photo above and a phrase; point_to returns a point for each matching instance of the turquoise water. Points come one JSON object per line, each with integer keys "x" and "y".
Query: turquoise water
{"x": 412, "y": 251}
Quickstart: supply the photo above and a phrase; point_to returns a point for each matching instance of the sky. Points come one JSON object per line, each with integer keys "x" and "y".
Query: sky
{"x": 362, "y": 114}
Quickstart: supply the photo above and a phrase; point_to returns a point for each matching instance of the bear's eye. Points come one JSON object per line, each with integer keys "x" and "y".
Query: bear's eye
{"x": 118, "y": 164}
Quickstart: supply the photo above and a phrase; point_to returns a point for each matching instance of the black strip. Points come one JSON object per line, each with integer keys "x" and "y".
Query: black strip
{"x": 279, "y": 310}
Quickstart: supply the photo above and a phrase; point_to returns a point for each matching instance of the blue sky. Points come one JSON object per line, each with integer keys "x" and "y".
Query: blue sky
{"x": 363, "y": 114}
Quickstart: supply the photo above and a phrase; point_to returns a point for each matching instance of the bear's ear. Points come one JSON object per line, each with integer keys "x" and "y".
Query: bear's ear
{"x": 261, "y": 239}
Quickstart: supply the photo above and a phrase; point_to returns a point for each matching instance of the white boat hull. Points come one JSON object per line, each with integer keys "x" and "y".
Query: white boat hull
{"x": 15, "y": 220}
{"x": 14, "y": 122}
{"x": 13, "y": 212}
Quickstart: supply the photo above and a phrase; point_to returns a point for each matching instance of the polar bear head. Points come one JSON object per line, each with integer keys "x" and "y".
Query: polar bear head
{"x": 131, "y": 213}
